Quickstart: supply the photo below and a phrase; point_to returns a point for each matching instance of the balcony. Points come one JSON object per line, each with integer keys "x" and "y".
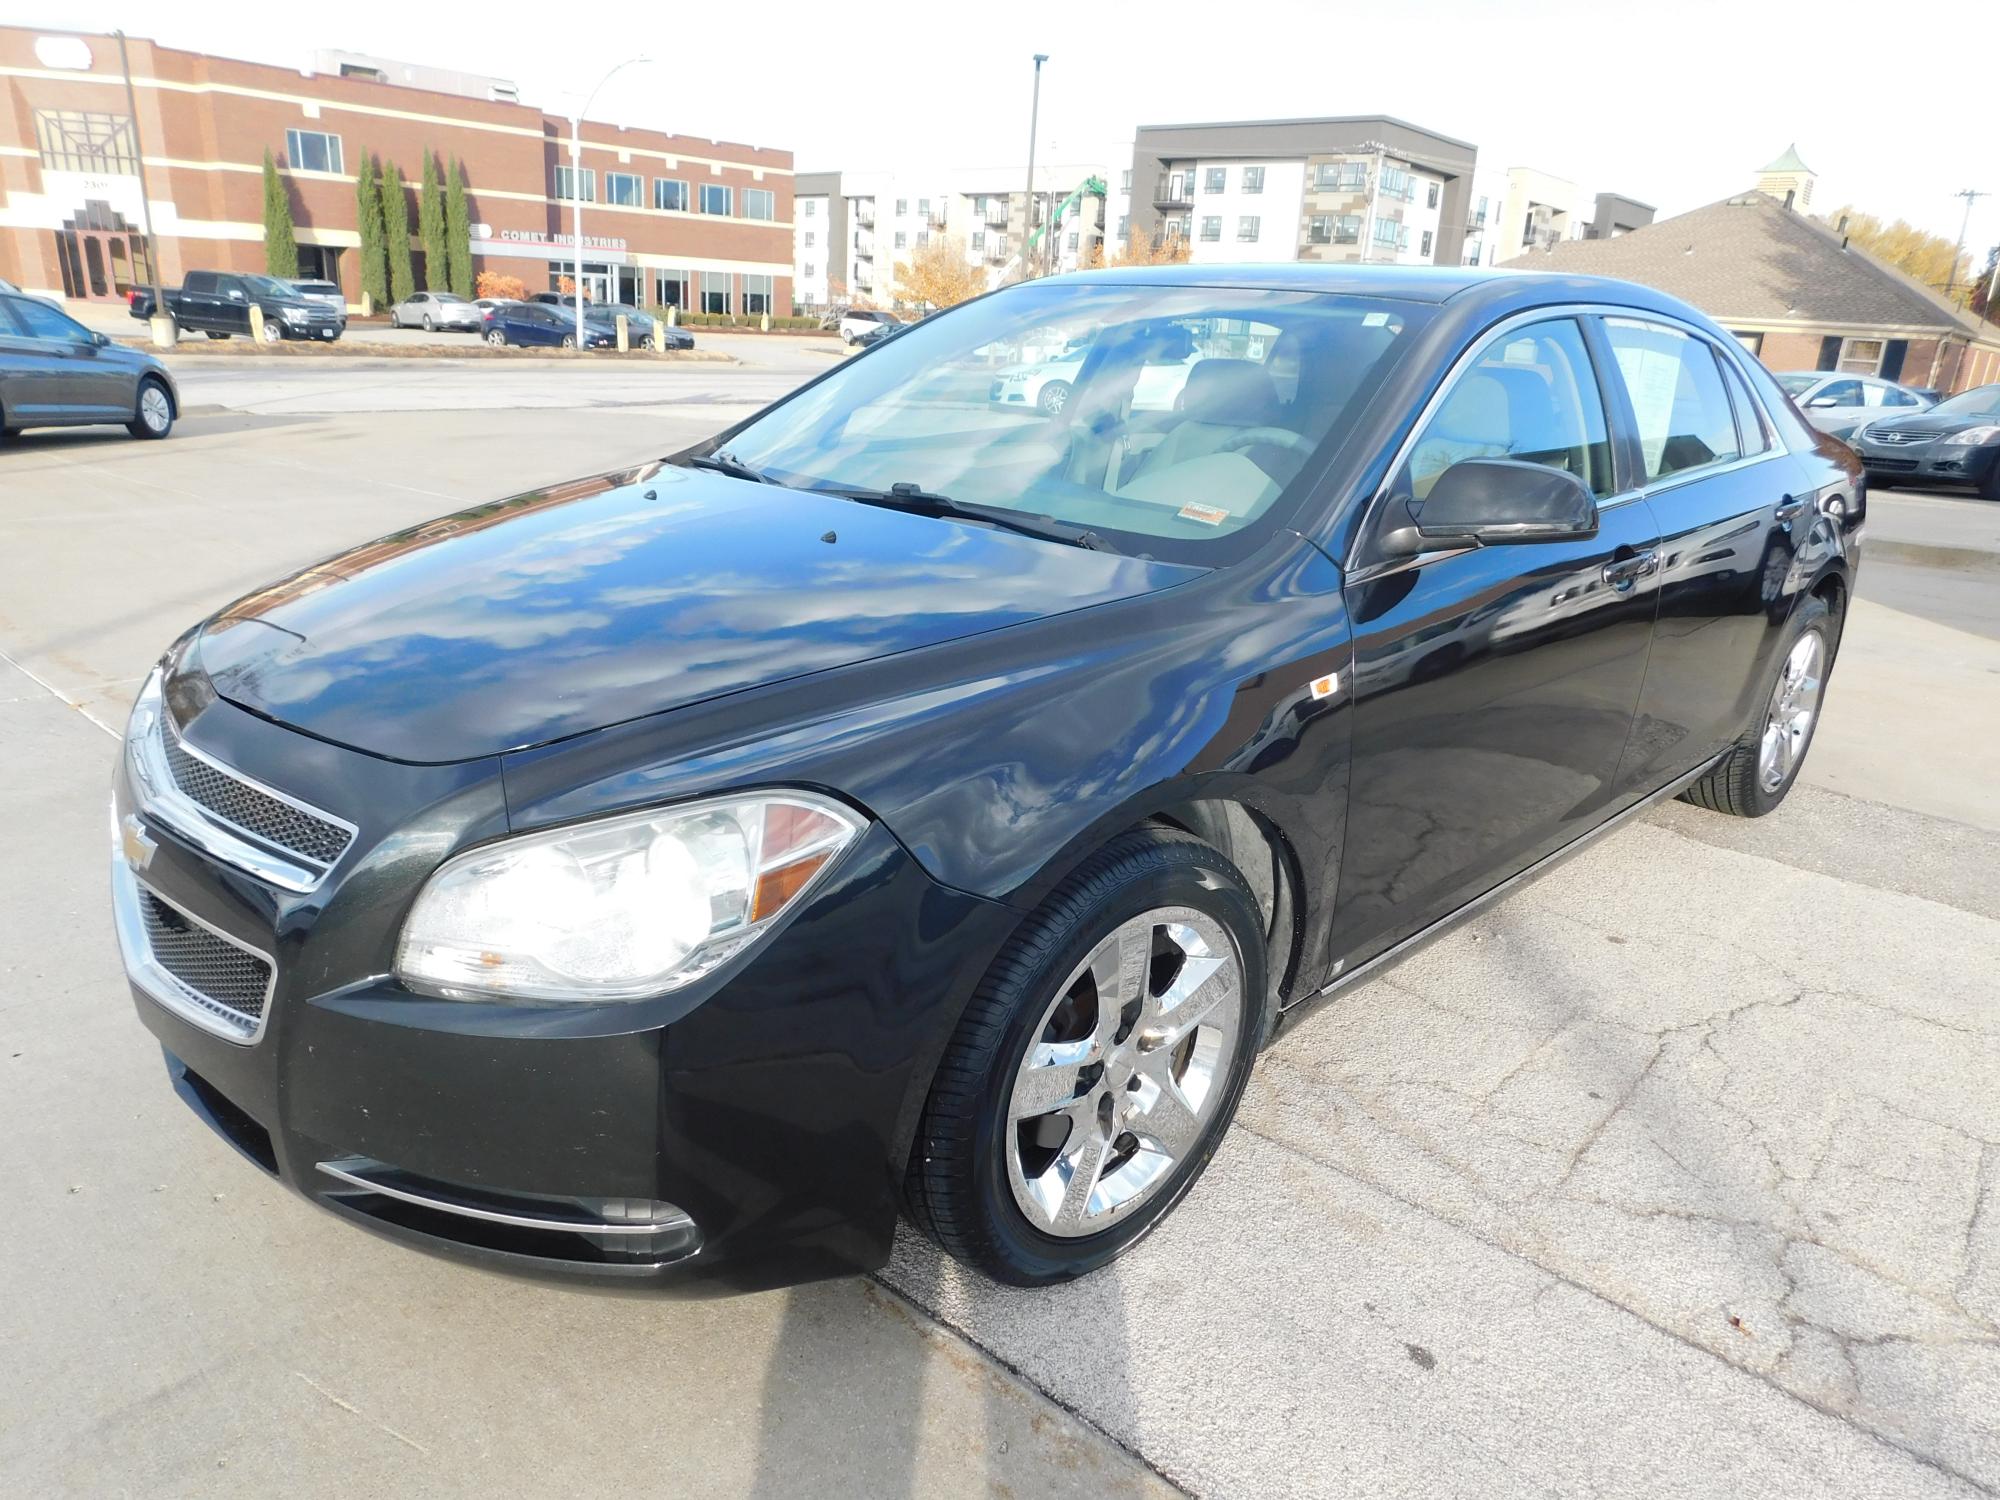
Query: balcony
{"x": 1174, "y": 190}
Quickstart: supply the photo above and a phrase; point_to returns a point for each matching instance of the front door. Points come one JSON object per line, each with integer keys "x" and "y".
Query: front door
{"x": 61, "y": 374}
{"x": 1493, "y": 687}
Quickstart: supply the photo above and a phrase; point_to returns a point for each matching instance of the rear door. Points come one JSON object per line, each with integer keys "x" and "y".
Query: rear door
{"x": 1493, "y": 687}
{"x": 1728, "y": 501}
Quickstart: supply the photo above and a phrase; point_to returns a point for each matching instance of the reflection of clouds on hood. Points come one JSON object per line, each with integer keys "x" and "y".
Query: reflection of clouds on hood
{"x": 573, "y": 616}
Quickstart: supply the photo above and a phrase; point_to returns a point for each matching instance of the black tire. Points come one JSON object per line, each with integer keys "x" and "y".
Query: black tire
{"x": 214, "y": 335}
{"x": 569, "y": 341}
{"x": 140, "y": 426}
{"x": 1054, "y": 397}
{"x": 957, "y": 1187}
{"x": 1989, "y": 487}
{"x": 1733, "y": 786}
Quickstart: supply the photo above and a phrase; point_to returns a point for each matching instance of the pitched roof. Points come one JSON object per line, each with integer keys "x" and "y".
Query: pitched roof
{"x": 1751, "y": 259}
{"x": 1789, "y": 162}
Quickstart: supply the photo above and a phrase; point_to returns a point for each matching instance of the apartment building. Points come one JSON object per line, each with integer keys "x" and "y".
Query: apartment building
{"x": 668, "y": 219}
{"x": 1350, "y": 188}
{"x": 1525, "y": 208}
{"x": 851, "y": 229}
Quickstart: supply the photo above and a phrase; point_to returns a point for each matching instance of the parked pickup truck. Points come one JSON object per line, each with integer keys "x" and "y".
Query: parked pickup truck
{"x": 218, "y": 303}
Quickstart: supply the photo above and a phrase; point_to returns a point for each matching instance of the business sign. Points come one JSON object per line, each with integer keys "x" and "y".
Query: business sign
{"x": 539, "y": 244}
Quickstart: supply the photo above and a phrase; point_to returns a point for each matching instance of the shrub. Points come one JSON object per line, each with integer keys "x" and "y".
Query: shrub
{"x": 494, "y": 284}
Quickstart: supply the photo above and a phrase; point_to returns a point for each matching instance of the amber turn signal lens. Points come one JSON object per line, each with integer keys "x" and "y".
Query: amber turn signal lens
{"x": 776, "y": 887}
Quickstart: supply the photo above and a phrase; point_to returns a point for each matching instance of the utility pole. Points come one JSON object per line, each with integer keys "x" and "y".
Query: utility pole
{"x": 1034, "y": 127}
{"x": 576, "y": 190}
{"x": 161, "y": 336}
{"x": 1965, "y": 223}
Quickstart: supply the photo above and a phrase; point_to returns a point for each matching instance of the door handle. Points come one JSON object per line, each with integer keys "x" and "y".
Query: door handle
{"x": 1788, "y": 510}
{"x": 1626, "y": 571}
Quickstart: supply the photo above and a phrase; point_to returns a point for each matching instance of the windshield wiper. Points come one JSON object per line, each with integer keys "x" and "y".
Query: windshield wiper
{"x": 923, "y": 502}
{"x": 730, "y": 464}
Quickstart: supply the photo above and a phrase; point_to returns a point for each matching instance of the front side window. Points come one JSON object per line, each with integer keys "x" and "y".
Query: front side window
{"x": 40, "y": 321}
{"x": 1532, "y": 395}
{"x": 1678, "y": 400}
{"x": 716, "y": 199}
{"x": 1246, "y": 227}
{"x": 570, "y": 179}
{"x": 1253, "y": 179}
{"x": 624, "y": 189}
{"x": 1190, "y": 413}
{"x": 760, "y": 203}
{"x": 313, "y": 151}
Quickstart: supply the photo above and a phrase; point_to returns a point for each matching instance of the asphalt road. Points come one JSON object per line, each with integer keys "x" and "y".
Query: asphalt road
{"x": 1673, "y": 1174}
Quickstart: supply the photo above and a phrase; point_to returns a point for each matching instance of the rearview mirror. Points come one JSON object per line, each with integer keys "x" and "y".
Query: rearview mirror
{"x": 1486, "y": 502}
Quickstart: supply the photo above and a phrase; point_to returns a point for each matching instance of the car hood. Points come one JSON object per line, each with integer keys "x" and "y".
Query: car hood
{"x": 1930, "y": 423}
{"x": 567, "y": 609}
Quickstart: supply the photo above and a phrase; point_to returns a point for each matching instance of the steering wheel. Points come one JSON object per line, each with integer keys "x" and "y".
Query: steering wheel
{"x": 1275, "y": 437}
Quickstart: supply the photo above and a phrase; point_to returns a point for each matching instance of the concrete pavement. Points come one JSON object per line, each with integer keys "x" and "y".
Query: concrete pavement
{"x": 1672, "y": 1174}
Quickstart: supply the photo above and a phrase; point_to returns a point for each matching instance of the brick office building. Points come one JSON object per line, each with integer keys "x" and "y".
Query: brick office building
{"x": 668, "y": 219}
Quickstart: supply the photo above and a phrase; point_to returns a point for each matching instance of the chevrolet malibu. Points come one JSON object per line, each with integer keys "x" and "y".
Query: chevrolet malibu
{"x": 903, "y": 804}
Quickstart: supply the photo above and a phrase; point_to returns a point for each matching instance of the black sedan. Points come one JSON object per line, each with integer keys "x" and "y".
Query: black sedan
{"x": 903, "y": 804}
{"x": 54, "y": 372}
{"x": 1956, "y": 442}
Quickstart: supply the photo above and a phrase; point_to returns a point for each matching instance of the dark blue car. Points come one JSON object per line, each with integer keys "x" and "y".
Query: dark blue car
{"x": 538, "y": 323}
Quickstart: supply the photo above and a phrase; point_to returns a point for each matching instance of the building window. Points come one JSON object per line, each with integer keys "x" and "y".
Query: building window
{"x": 924, "y": 207}
{"x": 1347, "y": 229}
{"x": 1211, "y": 228}
{"x": 812, "y": 208}
{"x": 1386, "y": 233}
{"x": 1395, "y": 183}
{"x": 75, "y": 141}
{"x": 568, "y": 177}
{"x": 1216, "y": 180}
{"x": 1431, "y": 196}
{"x": 756, "y": 295}
{"x": 671, "y": 194}
{"x": 1426, "y": 251}
{"x": 902, "y": 240}
{"x": 811, "y": 239}
{"x": 1340, "y": 177}
{"x": 999, "y": 247}
{"x": 1072, "y": 239}
{"x": 1125, "y": 181}
{"x": 1860, "y": 357}
{"x": 625, "y": 189}
{"x": 717, "y": 199}
{"x": 1319, "y": 229}
{"x": 760, "y": 203}
{"x": 978, "y": 240}
{"x": 1124, "y": 227}
{"x": 670, "y": 289}
{"x": 1479, "y": 215}
{"x": 923, "y": 236}
{"x": 312, "y": 151}
{"x": 715, "y": 291}
{"x": 808, "y": 269}
{"x": 902, "y": 207}
{"x": 1246, "y": 227}
{"x": 1253, "y": 180}
{"x": 1754, "y": 342}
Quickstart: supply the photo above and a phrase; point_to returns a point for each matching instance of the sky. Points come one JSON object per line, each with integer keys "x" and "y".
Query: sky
{"x": 1674, "y": 104}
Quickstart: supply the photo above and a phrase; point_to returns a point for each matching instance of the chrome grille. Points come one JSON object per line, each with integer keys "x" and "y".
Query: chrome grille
{"x": 235, "y": 801}
{"x": 208, "y": 965}
{"x": 1895, "y": 436}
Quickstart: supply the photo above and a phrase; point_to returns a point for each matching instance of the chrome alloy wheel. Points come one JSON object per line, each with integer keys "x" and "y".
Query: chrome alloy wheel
{"x": 154, "y": 410}
{"x": 1794, "y": 705}
{"x": 1126, "y": 1067}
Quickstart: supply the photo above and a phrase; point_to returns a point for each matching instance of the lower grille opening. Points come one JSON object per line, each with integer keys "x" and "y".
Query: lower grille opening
{"x": 223, "y": 1117}
{"x": 205, "y": 962}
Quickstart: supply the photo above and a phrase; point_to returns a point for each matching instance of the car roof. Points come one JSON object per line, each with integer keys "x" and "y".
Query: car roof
{"x": 1436, "y": 284}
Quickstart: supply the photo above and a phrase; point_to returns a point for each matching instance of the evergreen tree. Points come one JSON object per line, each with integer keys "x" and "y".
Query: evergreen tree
{"x": 430, "y": 228}
{"x": 368, "y": 215}
{"x": 396, "y": 234}
{"x": 281, "y": 241}
{"x": 458, "y": 230}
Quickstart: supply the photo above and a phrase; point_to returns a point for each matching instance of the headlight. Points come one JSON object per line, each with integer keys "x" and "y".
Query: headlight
{"x": 1972, "y": 436}
{"x": 621, "y": 908}
{"x": 140, "y": 729}
{"x": 294, "y": 314}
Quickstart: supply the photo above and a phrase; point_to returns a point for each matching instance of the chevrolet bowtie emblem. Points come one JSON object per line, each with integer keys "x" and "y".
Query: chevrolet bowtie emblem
{"x": 137, "y": 846}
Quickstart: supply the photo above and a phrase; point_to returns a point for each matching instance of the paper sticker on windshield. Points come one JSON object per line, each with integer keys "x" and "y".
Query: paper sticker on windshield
{"x": 1375, "y": 320}
{"x": 1208, "y": 515}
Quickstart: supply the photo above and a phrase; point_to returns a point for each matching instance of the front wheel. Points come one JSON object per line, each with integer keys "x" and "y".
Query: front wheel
{"x": 1054, "y": 397}
{"x": 273, "y": 332}
{"x": 155, "y": 415}
{"x": 1759, "y": 769}
{"x": 1097, "y": 1066}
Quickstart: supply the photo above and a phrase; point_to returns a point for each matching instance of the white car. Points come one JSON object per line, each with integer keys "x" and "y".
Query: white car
{"x": 433, "y": 310}
{"x": 1046, "y": 386}
{"x": 859, "y": 320}
{"x": 1839, "y": 404}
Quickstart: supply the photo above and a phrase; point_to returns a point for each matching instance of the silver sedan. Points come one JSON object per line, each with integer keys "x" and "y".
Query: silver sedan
{"x": 433, "y": 310}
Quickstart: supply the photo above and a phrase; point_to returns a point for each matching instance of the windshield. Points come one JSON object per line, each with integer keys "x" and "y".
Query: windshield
{"x": 1981, "y": 401}
{"x": 1798, "y": 385}
{"x": 270, "y": 286}
{"x": 1147, "y": 414}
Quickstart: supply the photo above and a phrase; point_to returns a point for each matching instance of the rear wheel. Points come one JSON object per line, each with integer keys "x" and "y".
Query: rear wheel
{"x": 1759, "y": 769}
{"x": 497, "y": 337}
{"x": 569, "y": 341}
{"x": 1097, "y": 1066}
{"x": 429, "y": 326}
{"x": 154, "y": 417}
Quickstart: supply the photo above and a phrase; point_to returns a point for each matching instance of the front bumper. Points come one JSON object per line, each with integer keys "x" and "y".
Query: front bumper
{"x": 1927, "y": 463}
{"x": 749, "y": 1131}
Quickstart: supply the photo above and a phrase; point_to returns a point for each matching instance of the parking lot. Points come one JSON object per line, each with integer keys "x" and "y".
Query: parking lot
{"x": 1674, "y": 1173}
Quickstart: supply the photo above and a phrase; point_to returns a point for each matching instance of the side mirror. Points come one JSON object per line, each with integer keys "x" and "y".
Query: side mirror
{"x": 1487, "y": 502}
{"x": 1822, "y": 401}
{"x": 100, "y": 340}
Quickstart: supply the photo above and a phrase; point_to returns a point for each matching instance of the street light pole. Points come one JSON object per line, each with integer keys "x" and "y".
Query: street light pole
{"x": 1970, "y": 195}
{"x": 145, "y": 204}
{"x": 576, "y": 190}
{"x": 1034, "y": 126}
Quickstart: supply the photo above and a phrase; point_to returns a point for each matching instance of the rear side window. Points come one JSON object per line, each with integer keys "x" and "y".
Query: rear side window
{"x": 1749, "y": 421}
{"x": 1532, "y": 395}
{"x": 1678, "y": 400}
{"x": 200, "y": 281}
